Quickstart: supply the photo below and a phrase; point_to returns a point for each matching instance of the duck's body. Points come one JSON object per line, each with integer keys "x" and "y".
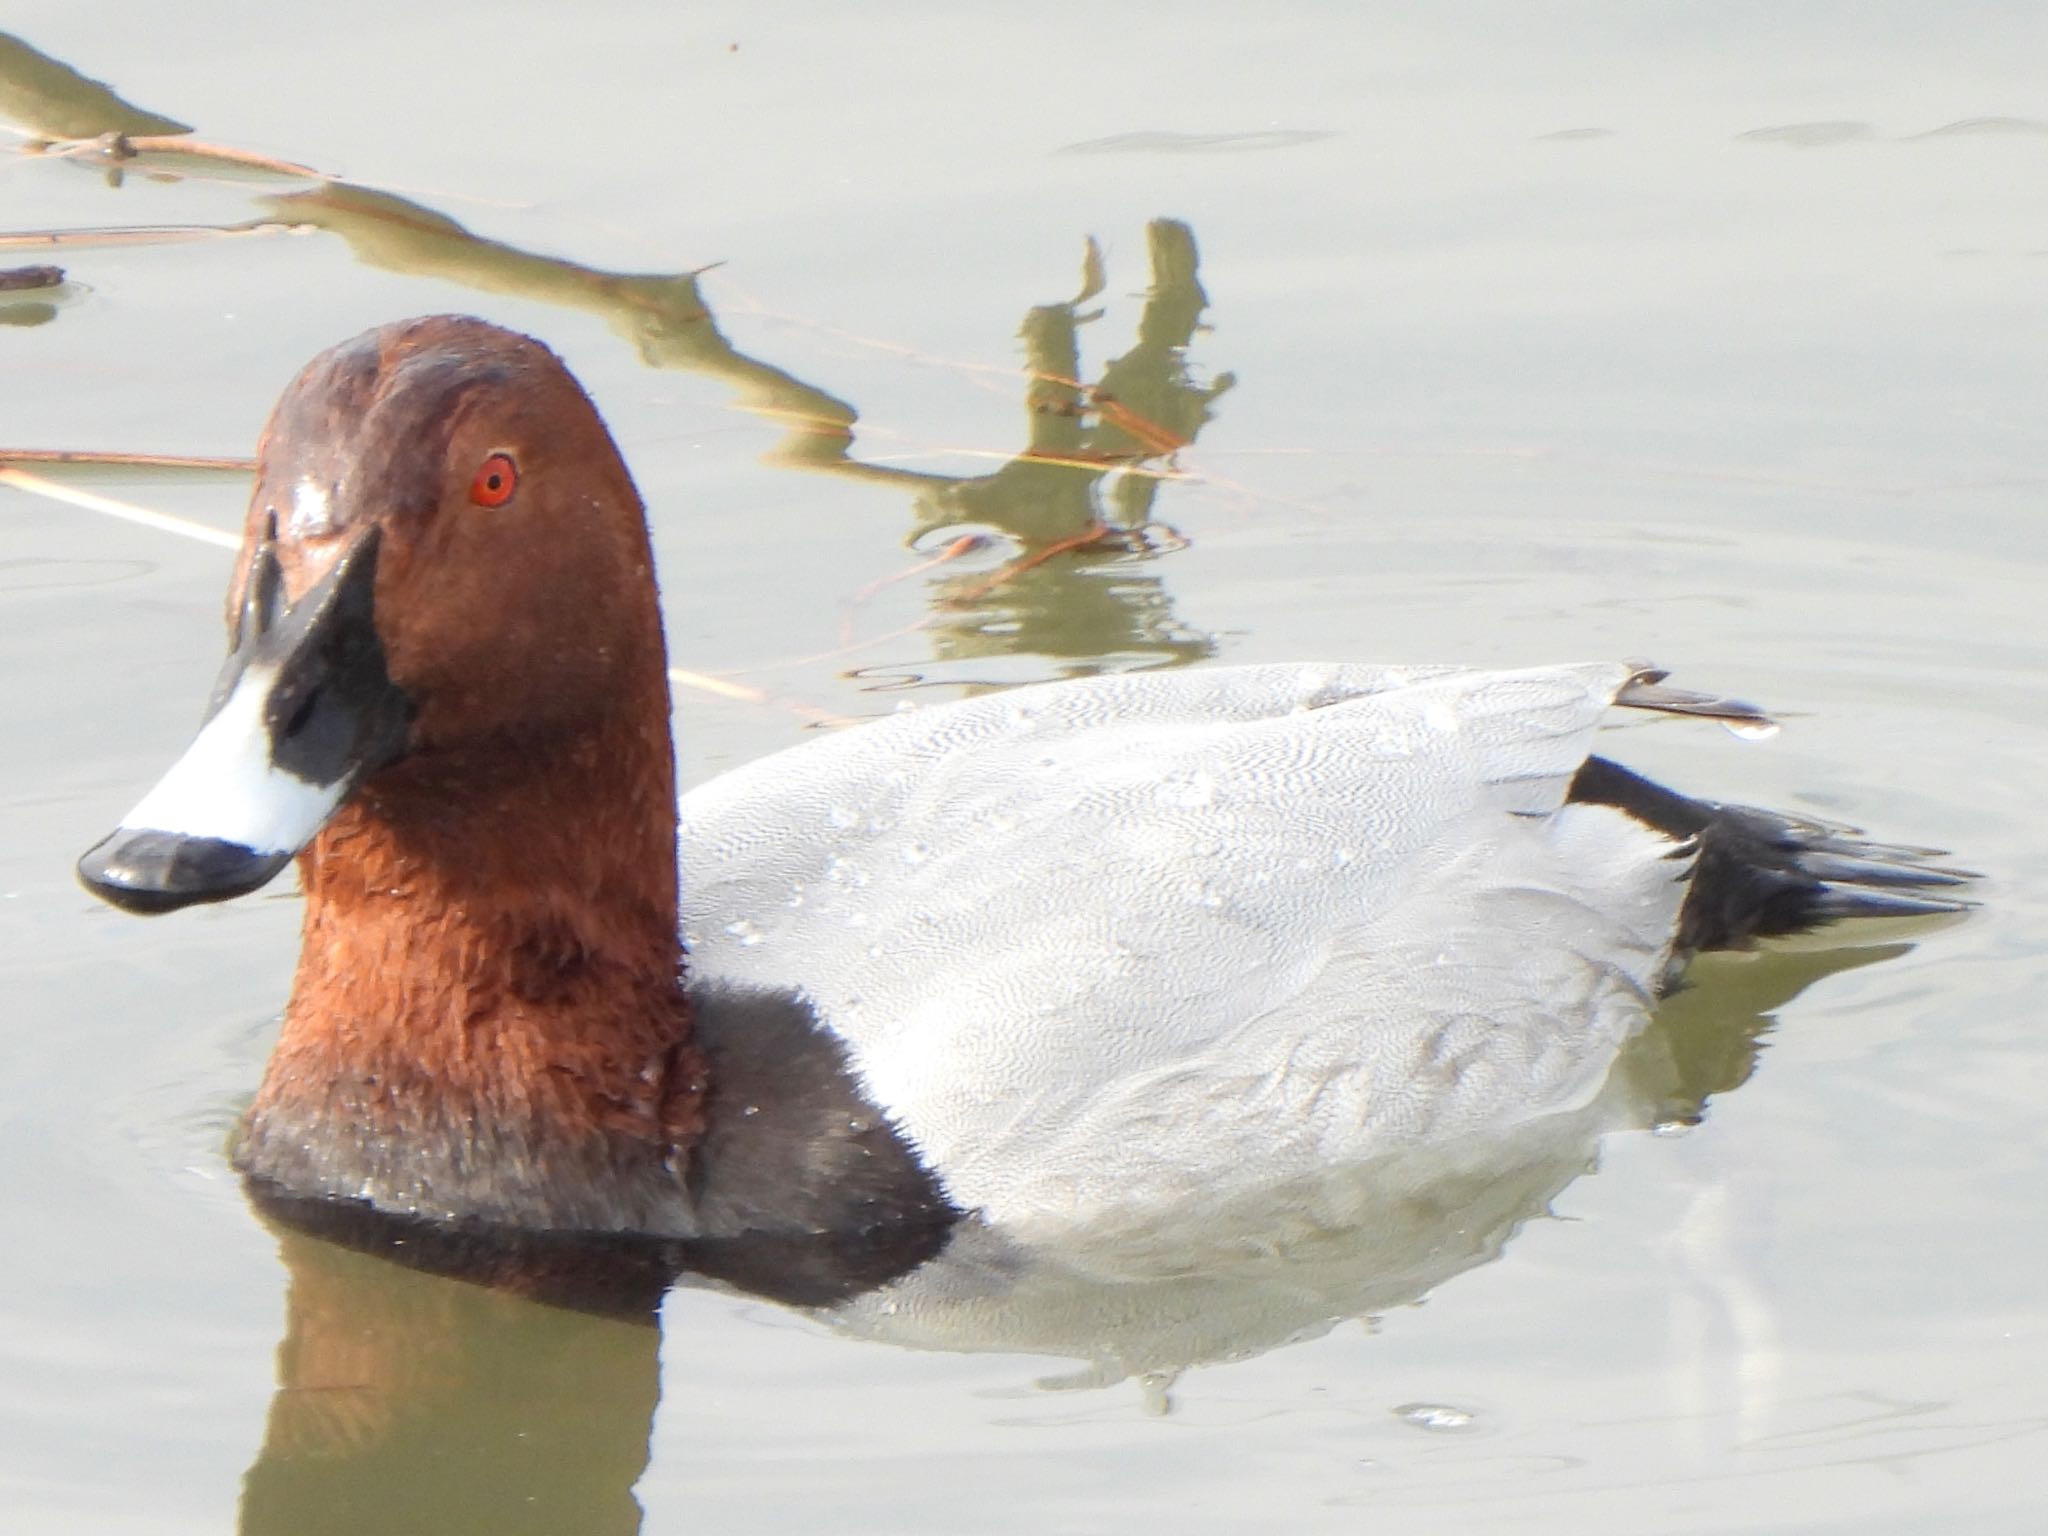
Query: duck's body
{"x": 1107, "y": 942}
{"x": 1048, "y": 956}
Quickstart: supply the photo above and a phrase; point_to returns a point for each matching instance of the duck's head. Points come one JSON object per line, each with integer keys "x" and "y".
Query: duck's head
{"x": 445, "y": 565}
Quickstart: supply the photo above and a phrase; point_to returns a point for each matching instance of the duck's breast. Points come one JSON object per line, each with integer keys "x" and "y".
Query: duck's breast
{"x": 1109, "y": 940}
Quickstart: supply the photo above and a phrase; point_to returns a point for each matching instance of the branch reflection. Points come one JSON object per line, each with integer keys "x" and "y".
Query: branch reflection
{"x": 1074, "y": 508}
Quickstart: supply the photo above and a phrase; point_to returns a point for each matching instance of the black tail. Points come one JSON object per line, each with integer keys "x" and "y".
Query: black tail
{"x": 1760, "y": 874}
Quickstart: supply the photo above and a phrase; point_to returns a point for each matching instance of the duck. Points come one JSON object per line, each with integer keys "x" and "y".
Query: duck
{"x": 1041, "y": 959}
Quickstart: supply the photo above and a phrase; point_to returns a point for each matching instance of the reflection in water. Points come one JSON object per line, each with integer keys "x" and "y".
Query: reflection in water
{"x": 1074, "y": 507}
{"x": 438, "y": 1377}
{"x": 662, "y": 315}
{"x": 30, "y": 295}
{"x": 56, "y": 101}
{"x": 1210, "y": 1285}
{"x": 410, "y": 1402}
{"x": 407, "y": 1400}
{"x": 1077, "y": 503}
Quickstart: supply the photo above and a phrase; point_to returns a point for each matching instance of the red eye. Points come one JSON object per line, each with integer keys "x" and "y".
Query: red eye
{"x": 496, "y": 479}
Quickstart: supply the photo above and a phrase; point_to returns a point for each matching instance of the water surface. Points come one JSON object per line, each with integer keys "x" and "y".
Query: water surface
{"x": 1712, "y": 336}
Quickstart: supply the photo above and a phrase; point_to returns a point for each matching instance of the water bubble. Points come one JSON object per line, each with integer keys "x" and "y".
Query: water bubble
{"x": 748, "y": 933}
{"x": 1437, "y": 1417}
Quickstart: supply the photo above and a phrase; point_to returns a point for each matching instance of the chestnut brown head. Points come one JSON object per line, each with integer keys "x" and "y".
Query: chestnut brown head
{"x": 444, "y": 560}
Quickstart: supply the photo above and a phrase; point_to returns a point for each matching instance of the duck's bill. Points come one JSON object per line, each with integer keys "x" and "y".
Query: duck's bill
{"x": 304, "y": 710}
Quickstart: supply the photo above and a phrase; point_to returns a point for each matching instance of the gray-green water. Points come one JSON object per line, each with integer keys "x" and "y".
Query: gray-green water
{"x": 1708, "y": 334}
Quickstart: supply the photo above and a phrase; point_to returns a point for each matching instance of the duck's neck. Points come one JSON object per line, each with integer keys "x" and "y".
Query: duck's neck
{"x": 488, "y": 1019}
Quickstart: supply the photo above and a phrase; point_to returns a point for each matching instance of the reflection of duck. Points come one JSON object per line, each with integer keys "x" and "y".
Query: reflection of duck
{"x": 400, "y": 1393}
{"x": 1063, "y": 957}
{"x": 409, "y": 1402}
{"x": 1223, "y": 1281}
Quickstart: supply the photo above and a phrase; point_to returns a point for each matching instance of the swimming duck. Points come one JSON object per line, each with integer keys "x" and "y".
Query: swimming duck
{"x": 1043, "y": 956}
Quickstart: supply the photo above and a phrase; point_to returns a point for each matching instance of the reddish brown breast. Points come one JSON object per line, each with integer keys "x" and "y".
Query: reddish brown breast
{"x": 490, "y": 973}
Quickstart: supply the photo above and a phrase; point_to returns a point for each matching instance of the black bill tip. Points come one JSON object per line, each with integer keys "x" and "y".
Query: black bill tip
{"x": 151, "y": 872}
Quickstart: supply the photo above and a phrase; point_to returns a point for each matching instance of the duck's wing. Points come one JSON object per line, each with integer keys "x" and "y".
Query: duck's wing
{"x": 1158, "y": 899}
